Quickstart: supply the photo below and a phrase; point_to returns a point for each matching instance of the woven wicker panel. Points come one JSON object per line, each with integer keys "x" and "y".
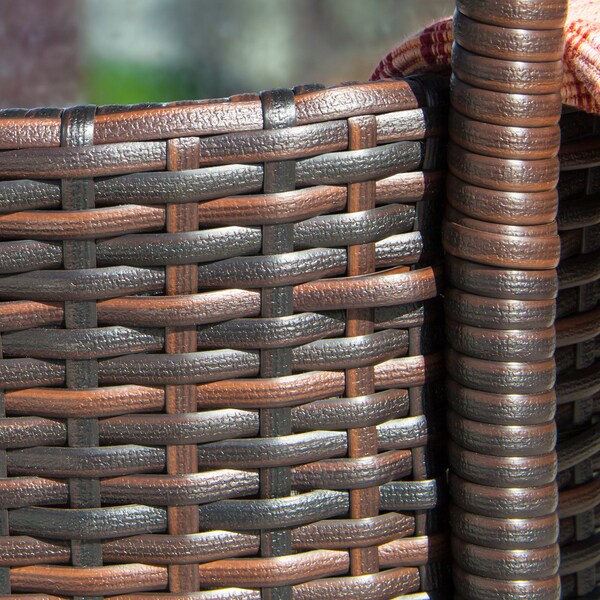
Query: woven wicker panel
{"x": 577, "y": 331}
{"x": 220, "y": 347}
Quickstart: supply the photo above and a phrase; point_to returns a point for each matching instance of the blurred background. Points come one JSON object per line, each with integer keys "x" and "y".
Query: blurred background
{"x": 61, "y": 52}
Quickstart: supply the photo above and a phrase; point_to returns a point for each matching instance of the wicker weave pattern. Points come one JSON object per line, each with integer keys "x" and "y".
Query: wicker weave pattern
{"x": 577, "y": 337}
{"x": 217, "y": 379}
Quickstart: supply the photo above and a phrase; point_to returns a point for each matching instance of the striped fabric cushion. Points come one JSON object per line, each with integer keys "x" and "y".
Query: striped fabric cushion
{"x": 430, "y": 50}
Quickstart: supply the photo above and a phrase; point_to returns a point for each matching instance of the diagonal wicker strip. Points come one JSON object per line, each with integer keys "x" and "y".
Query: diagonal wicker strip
{"x": 220, "y": 352}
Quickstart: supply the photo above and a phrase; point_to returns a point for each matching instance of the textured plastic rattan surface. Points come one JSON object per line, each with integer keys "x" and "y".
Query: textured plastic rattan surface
{"x": 502, "y": 245}
{"x": 220, "y": 347}
{"x": 578, "y": 372}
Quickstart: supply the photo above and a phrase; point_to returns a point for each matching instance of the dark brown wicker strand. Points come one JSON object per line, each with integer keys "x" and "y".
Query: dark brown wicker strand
{"x": 81, "y": 373}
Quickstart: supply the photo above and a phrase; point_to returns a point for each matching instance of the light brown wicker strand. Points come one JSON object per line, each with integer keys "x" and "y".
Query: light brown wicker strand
{"x": 182, "y": 154}
{"x": 78, "y": 194}
{"x": 578, "y": 475}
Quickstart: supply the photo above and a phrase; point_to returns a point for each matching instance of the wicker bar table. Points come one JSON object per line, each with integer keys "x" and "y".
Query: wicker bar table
{"x": 221, "y": 351}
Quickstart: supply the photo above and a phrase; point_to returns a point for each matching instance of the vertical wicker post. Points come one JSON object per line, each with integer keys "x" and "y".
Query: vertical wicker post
{"x": 577, "y": 365}
{"x": 216, "y": 356}
{"x": 182, "y": 279}
{"x": 503, "y": 248}
{"x": 78, "y": 194}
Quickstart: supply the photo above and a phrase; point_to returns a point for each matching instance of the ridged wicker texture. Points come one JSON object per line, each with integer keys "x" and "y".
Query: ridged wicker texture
{"x": 577, "y": 333}
{"x": 221, "y": 346}
{"x": 501, "y": 239}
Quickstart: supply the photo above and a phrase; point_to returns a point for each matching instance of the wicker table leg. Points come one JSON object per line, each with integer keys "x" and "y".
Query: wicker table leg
{"x": 501, "y": 266}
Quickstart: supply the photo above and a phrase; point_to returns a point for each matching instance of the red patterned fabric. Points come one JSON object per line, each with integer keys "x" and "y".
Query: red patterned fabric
{"x": 430, "y": 50}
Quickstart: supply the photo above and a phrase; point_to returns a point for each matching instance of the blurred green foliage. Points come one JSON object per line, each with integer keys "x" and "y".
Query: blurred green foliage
{"x": 160, "y": 50}
{"x": 60, "y": 52}
{"x": 118, "y": 82}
